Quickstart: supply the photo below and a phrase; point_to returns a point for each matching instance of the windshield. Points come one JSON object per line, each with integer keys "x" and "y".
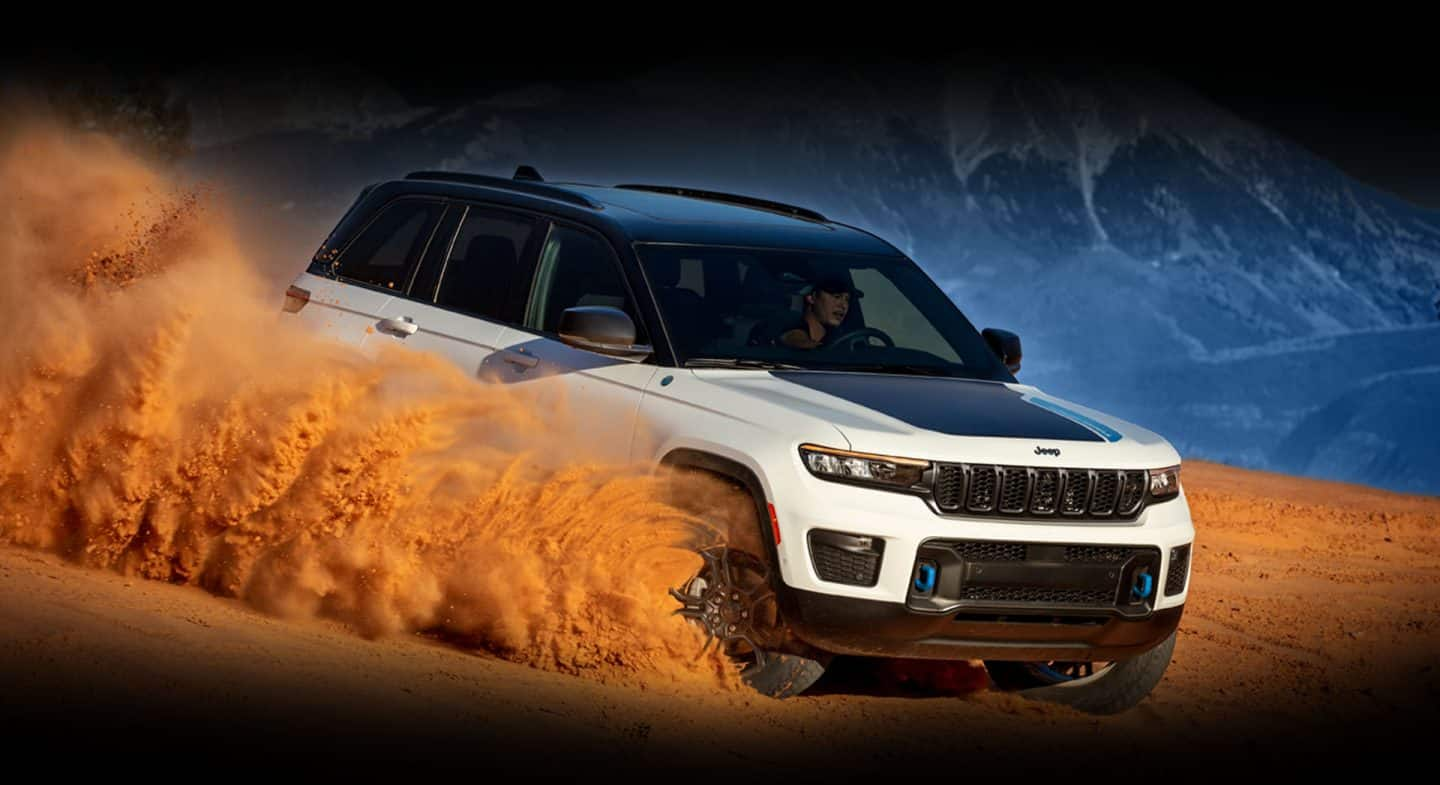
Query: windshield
{"x": 745, "y": 307}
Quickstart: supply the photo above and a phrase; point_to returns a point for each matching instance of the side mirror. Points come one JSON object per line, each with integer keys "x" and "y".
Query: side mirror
{"x": 1005, "y": 345}
{"x": 602, "y": 329}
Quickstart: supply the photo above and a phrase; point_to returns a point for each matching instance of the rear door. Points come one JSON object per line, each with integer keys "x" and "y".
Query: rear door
{"x": 372, "y": 270}
{"x": 577, "y": 266}
{"x": 472, "y": 282}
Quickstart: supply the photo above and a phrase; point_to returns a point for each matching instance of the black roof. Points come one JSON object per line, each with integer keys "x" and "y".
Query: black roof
{"x": 656, "y": 214}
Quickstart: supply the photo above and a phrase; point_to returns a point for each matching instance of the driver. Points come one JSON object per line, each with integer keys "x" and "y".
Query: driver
{"x": 826, "y": 305}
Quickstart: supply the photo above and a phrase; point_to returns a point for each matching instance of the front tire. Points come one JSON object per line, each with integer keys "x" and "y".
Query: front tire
{"x": 773, "y": 661}
{"x": 1105, "y": 689}
{"x": 732, "y": 598}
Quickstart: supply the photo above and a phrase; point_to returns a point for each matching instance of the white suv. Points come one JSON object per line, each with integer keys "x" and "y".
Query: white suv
{"x": 910, "y": 498}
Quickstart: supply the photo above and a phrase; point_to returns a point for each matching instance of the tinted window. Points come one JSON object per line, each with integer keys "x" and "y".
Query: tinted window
{"x": 424, "y": 279}
{"x": 815, "y": 310}
{"x": 577, "y": 268}
{"x": 485, "y": 272}
{"x": 888, "y": 309}
{"x": 385, "y": 253}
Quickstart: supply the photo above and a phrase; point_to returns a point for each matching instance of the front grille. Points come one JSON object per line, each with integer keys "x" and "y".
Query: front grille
{"x": 950, "y": 486}
{"x": 1014, "y": 488}
{"x": 1080, "y": 494}
{"x": 1045, "y": 596}
{"x": 1077, "y": 492}
{"x": 1132, "y": 492}
{"x": 1179, "y": 568}
{"x": 1047, "y": 492}
{"x": 1107, "y": 488}
{"x": 983, "y": 482}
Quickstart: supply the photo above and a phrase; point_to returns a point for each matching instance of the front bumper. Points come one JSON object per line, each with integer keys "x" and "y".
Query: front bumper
{"x": 900, "y": 525}
{"x": 999, "y": 600}
{"x": 851, "y": 566}
{"x": 846, "y": 625}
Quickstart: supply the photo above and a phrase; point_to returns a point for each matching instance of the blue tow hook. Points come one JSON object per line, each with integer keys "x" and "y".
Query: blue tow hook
{"x": 1144, "y": 584}
{"x": 925, "y": 578}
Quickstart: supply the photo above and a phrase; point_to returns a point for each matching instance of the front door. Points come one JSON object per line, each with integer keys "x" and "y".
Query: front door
{"x": 601, "y": 394}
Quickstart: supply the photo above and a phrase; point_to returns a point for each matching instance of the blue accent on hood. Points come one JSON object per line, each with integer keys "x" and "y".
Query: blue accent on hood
{"x": 1110, "y": 434}
{"x": 959, "y": 407}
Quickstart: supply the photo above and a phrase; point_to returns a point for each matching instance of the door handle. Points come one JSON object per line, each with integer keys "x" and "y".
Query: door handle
{"x": 401, "y": 326}
{"x": 520, "y": 360}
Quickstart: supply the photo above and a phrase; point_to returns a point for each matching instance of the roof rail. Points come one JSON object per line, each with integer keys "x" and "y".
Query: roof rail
{"x": 735, "y": 199}
{"x": 506, "y": 184}
{"x": 872, "y": 234}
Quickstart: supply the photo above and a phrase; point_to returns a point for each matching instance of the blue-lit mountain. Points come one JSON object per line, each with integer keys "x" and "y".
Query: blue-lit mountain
{"x": 1162, "y": 258}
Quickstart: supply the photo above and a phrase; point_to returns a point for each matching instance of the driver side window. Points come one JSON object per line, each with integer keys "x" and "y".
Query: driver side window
{"x": 577, "y": 268}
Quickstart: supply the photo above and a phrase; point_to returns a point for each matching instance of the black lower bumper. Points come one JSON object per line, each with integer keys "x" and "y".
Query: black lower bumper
{"x": 845, "y": 625}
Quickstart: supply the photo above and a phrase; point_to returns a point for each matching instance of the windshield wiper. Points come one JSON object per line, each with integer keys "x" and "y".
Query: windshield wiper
{"x": 739, "y": 362}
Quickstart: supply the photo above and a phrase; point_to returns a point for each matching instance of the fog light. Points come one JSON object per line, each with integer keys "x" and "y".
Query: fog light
{"x": 851, "y": 559}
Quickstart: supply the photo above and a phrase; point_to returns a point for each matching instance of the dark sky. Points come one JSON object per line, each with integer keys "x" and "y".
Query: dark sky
{"x": 1370, "y": 106}
{"x": 1378, "y": 119}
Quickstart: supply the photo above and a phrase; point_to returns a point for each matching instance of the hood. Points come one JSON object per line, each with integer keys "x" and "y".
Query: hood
{"x": 954, "y": 419}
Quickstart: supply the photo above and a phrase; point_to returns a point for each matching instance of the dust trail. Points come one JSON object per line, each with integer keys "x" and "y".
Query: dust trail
{"x": 159, "y": 417}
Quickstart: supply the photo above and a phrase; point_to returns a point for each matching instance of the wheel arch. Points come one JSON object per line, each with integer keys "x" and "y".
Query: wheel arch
{"x": 691, "y": 459}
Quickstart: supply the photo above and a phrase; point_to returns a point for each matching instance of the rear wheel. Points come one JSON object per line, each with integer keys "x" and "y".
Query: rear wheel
{"x": 732, "y": 599}
{"x": 1091, "y": 687}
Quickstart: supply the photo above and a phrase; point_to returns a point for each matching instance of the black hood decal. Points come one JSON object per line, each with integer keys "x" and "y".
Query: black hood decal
{"x": 955, "y": 406}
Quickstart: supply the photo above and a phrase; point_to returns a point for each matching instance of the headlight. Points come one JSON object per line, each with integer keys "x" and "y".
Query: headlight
{"x": 863, "y": 468}
{"x": 1164, "y": 483}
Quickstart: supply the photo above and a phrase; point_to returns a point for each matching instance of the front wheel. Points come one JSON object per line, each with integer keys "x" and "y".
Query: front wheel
{"x": 732, "y": 599}
{"x": 1091, "y": 687}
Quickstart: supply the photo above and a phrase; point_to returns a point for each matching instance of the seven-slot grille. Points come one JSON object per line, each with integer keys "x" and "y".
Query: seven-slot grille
{"x": 982, "y": 489}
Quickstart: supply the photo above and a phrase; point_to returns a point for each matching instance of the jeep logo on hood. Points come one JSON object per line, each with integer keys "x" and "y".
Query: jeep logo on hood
{"x": 1055, "y": 451}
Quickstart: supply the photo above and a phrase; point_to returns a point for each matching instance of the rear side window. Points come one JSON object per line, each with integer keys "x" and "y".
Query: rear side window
{"x": 487, "y": 270}
{"x": 577, "y": 268}
{"x": 388, "y": 249}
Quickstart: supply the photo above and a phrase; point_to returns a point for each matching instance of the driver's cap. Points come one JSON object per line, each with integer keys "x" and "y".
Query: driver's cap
{"x": 835, "y": 284}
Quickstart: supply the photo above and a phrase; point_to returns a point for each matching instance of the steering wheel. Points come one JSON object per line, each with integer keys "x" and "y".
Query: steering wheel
{"x": 860, "y": 335}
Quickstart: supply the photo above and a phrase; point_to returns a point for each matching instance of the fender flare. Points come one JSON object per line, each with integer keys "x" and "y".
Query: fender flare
{"x": 726, "y": 468}
{"x": 729, "y": 469}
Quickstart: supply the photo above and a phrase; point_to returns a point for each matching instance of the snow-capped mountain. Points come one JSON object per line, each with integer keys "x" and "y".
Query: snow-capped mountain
{"x": 1157, "y": 254}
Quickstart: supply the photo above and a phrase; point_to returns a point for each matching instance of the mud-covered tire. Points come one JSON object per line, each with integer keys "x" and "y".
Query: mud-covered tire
{"x": 1116, "y": 688}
